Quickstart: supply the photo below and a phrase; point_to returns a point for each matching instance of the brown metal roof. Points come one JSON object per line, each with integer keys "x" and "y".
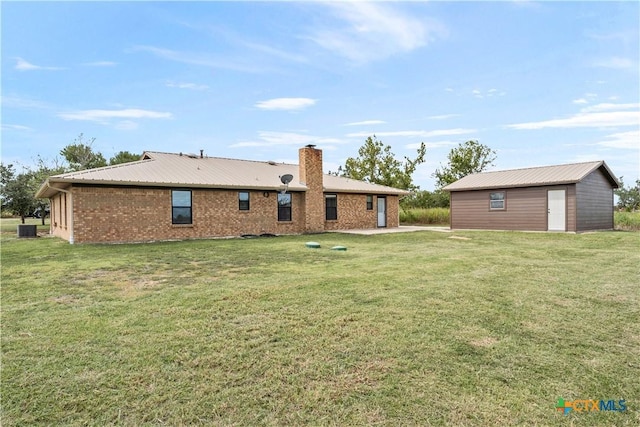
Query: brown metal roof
{"x": 176, "y": 170}
{"x": 532, "y": 177}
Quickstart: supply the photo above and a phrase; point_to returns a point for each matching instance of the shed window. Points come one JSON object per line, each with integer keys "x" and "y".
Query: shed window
{"x": 181, "y": 207}
{"x": 331, "y": 206}
{"x": 284, "y": 207}
{"x": 369, "y": 202}
{"x": 243, "y": 200}
{"x": 496, "y": 201}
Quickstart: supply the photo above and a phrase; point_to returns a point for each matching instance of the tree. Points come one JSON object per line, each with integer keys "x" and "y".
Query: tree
{"x": 469, "y": 157}
{"x": 377, "y": 164}
{"x": 38, "y": 176}
{"x": 123, "y": 157}
{"x": 425, "y": 199}
{"x": 628, "y": 198}
{"x": 15, "y": 191}
{"x": 80, "y": 155}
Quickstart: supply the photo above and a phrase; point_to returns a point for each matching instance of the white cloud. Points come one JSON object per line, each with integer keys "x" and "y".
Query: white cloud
{"x": 5, "y": 126}
{"x": 270, "y": 139}
{"x": 203, "y": 59}
{"x": 599, "y": 118}
{"x": 375, "y": 31}
{"x": 615, "y": 62}
{"x": 103, "y": 116}
{"x": 488, "y": 94}
{"x": 285, "y": 104}
{"x": 443, "y": 116}
{"x": 580, "y": 101}
{"x": 191, "y": 86}
{"x": 366, "y": 122}
{"x": 624, "y": 140}
{"x": 609, "y": 107}
{"x": 24, "y": 103}
{"x": 23, "y": 65}
{"x": 126, "y": 125}
{"x": 414, "y": 133}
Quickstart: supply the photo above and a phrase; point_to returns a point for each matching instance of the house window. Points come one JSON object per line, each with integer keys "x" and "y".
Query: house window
{"x": 181, "y": 207}
{"x": 369, "y": 202}
{"x": 496, "y": 201}
{"x": 284, "y": 207}
{"x": 331, "y": 206}
{"x": 243, "y": 200}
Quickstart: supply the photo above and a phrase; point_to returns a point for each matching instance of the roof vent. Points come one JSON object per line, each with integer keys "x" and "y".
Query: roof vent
{"x": 271, "y": 162}
{"x": 192, "y": 156}
{"x": 310, "y": 145}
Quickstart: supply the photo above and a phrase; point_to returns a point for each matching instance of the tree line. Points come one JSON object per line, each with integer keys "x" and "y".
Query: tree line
{"x": 18, "y": 189}
{"x": 376, "y": 163}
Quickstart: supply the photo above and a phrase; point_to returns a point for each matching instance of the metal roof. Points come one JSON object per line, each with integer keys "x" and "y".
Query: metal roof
{"x": 181, "y": 170}
{"x": 532, "y": 177}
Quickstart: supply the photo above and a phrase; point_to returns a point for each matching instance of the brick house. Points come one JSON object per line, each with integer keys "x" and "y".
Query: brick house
{"x": 167, "y": 196}
{"x": 574, "y": 197}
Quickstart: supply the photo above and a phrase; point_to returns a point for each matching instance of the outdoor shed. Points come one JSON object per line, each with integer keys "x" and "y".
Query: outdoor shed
{"x": 166, "y": 196}
{"x": 573, "y": 197}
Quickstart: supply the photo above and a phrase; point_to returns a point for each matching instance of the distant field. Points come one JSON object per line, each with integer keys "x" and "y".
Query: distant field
{"x": 424, "y": 328}
{"x": 629, "y": 221}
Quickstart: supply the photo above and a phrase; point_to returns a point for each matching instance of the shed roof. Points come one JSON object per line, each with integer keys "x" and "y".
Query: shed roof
{"x": 178, "y": 170}
{"x": 532, "y": 177}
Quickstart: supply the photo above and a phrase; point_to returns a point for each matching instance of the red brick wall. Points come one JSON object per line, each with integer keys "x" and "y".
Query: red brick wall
{"x": 310, "y": 169}
{"x": 353, "y": 213}
{"x": 112, "y": 214}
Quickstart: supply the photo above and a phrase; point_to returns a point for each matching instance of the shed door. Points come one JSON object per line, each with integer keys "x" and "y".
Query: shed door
{"x": 382, "y": 212}
{"x": 556, "y": 210}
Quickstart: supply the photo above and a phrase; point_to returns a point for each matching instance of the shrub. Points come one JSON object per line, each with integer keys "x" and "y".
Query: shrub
{"x": 438, "y": 216}
{"x": 629, "y": 221}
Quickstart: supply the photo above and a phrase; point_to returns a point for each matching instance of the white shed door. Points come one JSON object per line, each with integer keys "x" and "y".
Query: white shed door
{"x": 557, "y": 210}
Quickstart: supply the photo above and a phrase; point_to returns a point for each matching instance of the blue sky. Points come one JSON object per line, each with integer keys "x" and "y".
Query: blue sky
{"x": 539, "y": 82}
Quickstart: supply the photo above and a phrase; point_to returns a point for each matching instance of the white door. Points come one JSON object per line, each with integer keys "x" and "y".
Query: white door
{"x": 557, "y": 212}
{"x": 382, "y": 212}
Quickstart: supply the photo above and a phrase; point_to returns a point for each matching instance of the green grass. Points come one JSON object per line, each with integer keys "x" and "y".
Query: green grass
{"x": 431, "y": 216}
{"x": 627, "y": 221}
{"x": 10, "y": 225}
{"x": 424, "y": 328}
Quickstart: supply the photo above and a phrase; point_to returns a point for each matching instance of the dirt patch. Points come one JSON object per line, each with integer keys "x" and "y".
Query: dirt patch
{"x": 484, "y": 342}
{"x": 65, "y": 299}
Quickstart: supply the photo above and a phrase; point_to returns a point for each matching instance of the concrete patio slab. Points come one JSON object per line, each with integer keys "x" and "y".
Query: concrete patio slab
{"x": 401, "y": 229}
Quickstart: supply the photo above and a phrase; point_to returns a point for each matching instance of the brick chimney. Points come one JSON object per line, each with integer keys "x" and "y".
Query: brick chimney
{"x": 311, "y": 176}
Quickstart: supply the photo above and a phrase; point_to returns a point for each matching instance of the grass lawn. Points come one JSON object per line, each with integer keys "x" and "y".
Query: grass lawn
{"x": 10, "y": 225}
{"x": 424, "y": 328}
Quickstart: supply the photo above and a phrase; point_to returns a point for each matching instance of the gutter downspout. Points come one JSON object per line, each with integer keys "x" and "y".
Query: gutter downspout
{"x": 70, "y": 208}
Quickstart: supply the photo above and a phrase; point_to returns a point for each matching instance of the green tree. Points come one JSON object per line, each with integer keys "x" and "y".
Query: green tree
{"x": 80, "y": 155}
{"x": 124, "y": 157}
{"x": 628, "y": 198}
{"x": 425, "y": 199}
{"x": 38, "y": 176}
{"x": 377, "y": 164}
{"x": 469, "y": 157}
{"x": 16, "y": 191}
